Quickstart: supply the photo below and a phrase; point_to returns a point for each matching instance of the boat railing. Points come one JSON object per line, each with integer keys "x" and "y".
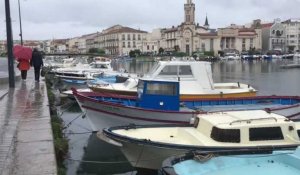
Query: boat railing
{"x": 251, "y": 120}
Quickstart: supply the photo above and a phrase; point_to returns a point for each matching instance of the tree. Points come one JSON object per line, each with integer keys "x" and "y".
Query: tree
{"x": 135, "y": 53}
{"x": 96, "y": 51}
{"x": 161, "y": 50}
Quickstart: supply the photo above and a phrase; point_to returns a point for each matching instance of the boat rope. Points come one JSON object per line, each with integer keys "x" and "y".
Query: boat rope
{"x": 66, "y": 108}
{"x": 139, "y": 157}
{"x": 203, "y": 157}
{"x": 69, "y": 124}
{"x": 81, "y": 133}
{"x": 97, "y": 162}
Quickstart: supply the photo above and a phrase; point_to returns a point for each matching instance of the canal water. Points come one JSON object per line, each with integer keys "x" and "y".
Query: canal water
{"x": 89, "y": 155}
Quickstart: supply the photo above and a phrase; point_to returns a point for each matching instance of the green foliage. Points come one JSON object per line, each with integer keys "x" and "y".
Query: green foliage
{"x": 179, "y": 54}
{"x": 209, "y": 53}
{"x": 161, "y": 50}
{"x": 135, "y": 53}
{"x": 96, "y": 51}
{"x": 61, "y": 144}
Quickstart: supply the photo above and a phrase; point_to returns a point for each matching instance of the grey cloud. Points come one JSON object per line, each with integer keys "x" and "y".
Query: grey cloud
{"x": 57, "y": 17}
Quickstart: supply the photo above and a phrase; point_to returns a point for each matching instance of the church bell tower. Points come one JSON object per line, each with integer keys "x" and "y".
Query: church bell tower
{"x": 189, "y": 10}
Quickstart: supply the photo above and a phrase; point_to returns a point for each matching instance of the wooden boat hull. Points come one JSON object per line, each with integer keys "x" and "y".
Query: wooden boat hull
{"x": 103, "y": 114}
{"x": 108, "y": 113}
{"x": 183, "y": 97}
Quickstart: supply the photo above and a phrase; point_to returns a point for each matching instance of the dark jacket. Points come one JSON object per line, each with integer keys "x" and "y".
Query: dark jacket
{"x": 37, "y": 59}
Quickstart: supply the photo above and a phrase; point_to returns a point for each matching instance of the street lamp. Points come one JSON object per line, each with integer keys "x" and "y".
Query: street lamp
{"x": 21, "y": 35}
{"x": 10, "y": 57}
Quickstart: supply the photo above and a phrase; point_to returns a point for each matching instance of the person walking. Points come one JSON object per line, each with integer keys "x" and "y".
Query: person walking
{"x": 23, "y": 55}
{"x": 37, "y": 63}
{"x": 23, "y": 66}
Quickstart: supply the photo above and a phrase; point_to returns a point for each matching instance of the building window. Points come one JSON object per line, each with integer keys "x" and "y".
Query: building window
{"x": 260, "y": 134}
{"x": 148, "y": 47}
{"x": 203, "y": 47}
{"x": 128, "y": 45}
{"x": 139, "y": 37}
{"x": 128, "y": 37}
{"x": 244, "y": 44}
{"x": 152, "y": 47}
{"x": 134, "y": 46}
{"x": 133, "y": 37}
{"x": 124, "y": 45}
{"x": 211, "y": 44}
{"x": 123, "y": 37}
{"x": 251, "y": 43}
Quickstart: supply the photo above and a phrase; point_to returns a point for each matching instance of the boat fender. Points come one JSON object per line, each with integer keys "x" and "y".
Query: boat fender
{"x": 221, "y": 94}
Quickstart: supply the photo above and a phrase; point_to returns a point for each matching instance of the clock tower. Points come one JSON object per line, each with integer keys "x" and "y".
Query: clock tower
{"x": 189, "y": 10}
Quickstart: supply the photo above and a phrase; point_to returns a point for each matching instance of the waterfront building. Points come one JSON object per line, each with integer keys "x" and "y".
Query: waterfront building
{"x": 292, "y": 27}
{"x": 274, "y": 36}
{"x": 151, "y": 44}
{"x": 239, "y": 39}
{"x": 190, "y": 37}
{"x": 120, "y": 40}
{"x": 90, "y": 41}
{"x": 73, "y": 45}
{"x": 186, "y": 37}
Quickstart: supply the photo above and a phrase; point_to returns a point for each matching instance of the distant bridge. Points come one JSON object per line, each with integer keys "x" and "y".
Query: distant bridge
{"x": 77, "y": 54}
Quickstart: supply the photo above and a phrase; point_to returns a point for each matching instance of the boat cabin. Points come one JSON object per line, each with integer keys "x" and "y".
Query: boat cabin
{"x": 158, "y": 95}
{"x": 248, "y": 127}
{"x": 188, "y": 71}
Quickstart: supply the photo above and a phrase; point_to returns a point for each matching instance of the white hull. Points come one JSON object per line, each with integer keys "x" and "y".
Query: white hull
{"x": 105, "y": 115}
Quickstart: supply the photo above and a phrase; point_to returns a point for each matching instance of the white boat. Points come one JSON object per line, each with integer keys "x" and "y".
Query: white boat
{"x": 195, "y": 79}
{"x": 60, "y": 63}
{"x": 297, "y": 55}
{"x": 235, "y": 132}
{"x": 86, "y": 72}
{"x": 231, "y": 56}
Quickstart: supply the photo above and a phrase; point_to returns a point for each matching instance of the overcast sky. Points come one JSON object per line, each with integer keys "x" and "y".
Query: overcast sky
{"x": 57, "y": 19}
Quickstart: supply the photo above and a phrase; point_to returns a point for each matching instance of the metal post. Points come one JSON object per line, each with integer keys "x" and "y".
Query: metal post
{"x": 21, "y": 34}
{"x": 10, "y": 57}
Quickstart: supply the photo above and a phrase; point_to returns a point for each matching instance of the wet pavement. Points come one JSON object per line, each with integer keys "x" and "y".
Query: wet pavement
{"x": 26, "y": 139}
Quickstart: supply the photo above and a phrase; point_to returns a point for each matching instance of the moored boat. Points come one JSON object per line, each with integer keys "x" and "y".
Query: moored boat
{"x": 158, "y": 103}
{"x": 195, "y": 80}
{"x": 226, "y": 133}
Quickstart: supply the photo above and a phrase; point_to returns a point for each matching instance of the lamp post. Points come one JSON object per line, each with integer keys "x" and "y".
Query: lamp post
{"x": 10, "y": 57}
{"x": 21, "y": 34}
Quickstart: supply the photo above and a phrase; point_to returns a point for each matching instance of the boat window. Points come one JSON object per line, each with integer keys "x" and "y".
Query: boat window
{"x": 154, "y": 68}
{"x": 226, "y": 135}
{"x": 169, "y": 70}
{"x": 141, "y": 85}
{"x": 185, "y": 70}
{"x": 298, "y": 133}
{"x": 270, "y": 133}
{"x": 161, "y": 89}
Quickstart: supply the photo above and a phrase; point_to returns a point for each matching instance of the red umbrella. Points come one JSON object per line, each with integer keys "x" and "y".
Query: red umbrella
{"x": 22, "y": 53}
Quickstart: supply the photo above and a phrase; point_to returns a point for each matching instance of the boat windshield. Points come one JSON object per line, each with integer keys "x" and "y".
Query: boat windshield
{"x": 154, "y": 68}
